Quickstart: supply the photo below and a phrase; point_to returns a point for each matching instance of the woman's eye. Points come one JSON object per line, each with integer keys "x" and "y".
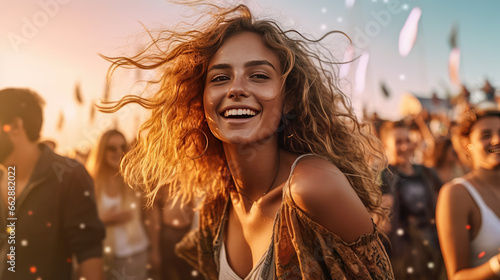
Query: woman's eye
{"x": 485, "y": 135}
{"x": 219, "y": 78}
{"x": 260, "y": 76}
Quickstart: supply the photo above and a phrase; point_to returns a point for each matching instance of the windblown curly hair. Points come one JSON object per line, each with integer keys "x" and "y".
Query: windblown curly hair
{"x": 171, "y": 143}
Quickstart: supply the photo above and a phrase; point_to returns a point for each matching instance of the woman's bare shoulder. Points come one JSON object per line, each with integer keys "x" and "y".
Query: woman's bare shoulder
{"x": 323, "y": 192}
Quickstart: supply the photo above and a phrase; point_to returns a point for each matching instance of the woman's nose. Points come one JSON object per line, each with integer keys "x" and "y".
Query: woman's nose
{"x": 237, "y": 88}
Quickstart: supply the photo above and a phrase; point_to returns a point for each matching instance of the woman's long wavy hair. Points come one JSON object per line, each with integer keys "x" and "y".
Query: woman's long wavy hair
{"x": 170, "y": 149}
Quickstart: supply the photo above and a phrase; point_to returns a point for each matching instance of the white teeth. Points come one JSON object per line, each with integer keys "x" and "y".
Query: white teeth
{"x": 494, "y": 150}
{"x": 239, "y": 112}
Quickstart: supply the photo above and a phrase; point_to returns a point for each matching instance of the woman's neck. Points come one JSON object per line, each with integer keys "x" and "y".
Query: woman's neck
{"x": 255, "y": 168}
{"x": 489, "y": 176}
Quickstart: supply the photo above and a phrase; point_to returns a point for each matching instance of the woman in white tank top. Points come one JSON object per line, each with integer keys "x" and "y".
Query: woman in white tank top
{"x": 126, "y": 247}
{"x": 468, "y": 208}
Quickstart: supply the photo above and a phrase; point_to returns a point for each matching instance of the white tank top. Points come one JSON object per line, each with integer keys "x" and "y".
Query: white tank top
{"x": 123, "y": 248}
{"x": 487, "y": 239}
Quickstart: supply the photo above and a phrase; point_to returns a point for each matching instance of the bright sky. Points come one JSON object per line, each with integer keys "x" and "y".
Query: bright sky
{"x": 50, "y": 45}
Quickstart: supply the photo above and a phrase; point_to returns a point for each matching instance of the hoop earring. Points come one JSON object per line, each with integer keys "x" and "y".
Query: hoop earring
{"x": 206, "y": 142}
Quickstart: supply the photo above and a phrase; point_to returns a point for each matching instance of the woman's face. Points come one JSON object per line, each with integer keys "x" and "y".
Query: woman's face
{"x": 243, "y": 97}
{"x": 398, "y": 145}
{"x": 114, "y": 150}
{"x": 485, "y": 143}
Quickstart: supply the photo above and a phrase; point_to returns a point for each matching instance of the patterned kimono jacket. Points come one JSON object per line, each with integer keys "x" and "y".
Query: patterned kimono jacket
{"x": 302, "y": 248}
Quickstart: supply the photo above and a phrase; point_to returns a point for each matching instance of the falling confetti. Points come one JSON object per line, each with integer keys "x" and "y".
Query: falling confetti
{"x": 406, "y": 7}
{"x": 82, "y": 226}
{"x": 194, "y": 273}
{"x": 323, "y": 26}
{"x": 324, "y": 10}
{"x": 133, "y": 205}
{"x": 175, "y": 222}
{"x": 409, "y": 270}
{"x": 92, "y": 112}
{"x": 408, "y": 34}
{"x": 384, "y": 89}
{"x": 400, "y": 232}
{"x": 24, "y": 243}
{"x": 454, "y": 66}
{"x": 453, "y": 37}
{"x": 349, "y": 3}
{"x": 60, "y": 121}
{"x": 105, "y": 94}
{"x": 49, "y": 224}
{"x": 468, "y": 227}
{"x": 426, "y": 242}
{"x": 33, "y": 269}
{"x": 107, "y": 249}
{"x": 78, "y": 94}
{"x": 30, "y": 212}
{"x": 481, "y": 254}
{"x": 430, "y": 265}
{"x": 86, "y": 193}
{"x": 82, "y": 278}
{"x": 361, "y": 73}
{"x": 348, "y": 56}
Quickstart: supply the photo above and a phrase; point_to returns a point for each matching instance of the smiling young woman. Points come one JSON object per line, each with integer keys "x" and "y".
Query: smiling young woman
{"x": 468, "y": 209}
{"x": 249, "y": 117}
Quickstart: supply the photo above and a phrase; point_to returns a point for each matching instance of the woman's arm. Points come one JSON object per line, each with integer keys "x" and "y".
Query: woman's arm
{"x": 453, "y": 224}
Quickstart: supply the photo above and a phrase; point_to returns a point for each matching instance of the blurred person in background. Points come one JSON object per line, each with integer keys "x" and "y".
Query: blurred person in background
{"x": 445, "y": 161}
{"x": 410, "y": 191}
{"x": 468, "y": 208}
{"x": 50, "y": 197}
{"x": 120, "y": 208}
{"x": 172, "y": 221}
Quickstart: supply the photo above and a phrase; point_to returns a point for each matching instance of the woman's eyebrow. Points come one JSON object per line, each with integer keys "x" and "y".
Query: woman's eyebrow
{"x": 219, "y": 67}
{"x": 258, "y": 63}
{"x": 247, "y": 64}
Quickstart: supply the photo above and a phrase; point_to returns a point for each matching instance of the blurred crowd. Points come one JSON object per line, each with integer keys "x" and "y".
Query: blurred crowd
{"x": 425, "y": 151}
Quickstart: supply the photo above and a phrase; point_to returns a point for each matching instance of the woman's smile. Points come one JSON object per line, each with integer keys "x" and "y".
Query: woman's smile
{"x": 243, "y": 97}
